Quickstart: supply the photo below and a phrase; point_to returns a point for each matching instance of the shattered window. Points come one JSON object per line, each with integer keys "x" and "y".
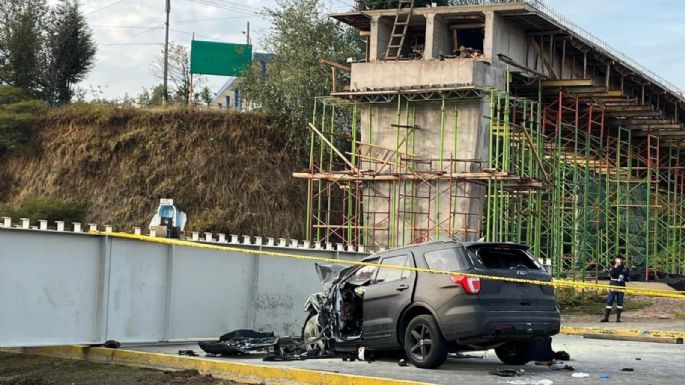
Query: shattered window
{"x": 445, "y": 260}
{"x": 363, "y": 275}
{"x": 388, "y": 274}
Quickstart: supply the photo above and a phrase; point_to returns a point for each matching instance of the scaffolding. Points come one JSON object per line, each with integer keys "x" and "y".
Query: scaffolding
{"x": 561, "y": 175}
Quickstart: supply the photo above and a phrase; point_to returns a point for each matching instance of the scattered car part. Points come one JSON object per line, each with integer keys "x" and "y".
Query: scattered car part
{"x": 241, "y": 342}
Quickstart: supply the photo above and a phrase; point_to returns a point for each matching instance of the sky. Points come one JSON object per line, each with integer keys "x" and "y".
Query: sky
{"x": 130, "y": 34}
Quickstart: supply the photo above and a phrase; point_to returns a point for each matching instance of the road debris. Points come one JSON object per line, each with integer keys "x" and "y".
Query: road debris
{"x": 241, "y": 342}
{"x": 627, "y": 370}
{"x": 507, "y": 372}
{"x": 543, "y": 381}
{"x": 580, "y": 375}
{"x": 402, "y": 362}
{"x": 187, "y": 352}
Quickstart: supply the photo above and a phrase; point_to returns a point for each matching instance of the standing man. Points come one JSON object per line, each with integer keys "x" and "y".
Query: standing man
{"x": 618, "y": 275}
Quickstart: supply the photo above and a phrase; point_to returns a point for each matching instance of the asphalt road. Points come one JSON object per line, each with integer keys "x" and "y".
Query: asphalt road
{"x": 652, "y": 363}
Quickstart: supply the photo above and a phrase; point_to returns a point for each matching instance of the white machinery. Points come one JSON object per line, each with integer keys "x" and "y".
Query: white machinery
{"x": 169, "y": 219}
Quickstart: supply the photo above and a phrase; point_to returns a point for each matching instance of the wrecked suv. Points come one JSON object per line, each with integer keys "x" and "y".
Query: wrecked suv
{"x": 429, "y": 315}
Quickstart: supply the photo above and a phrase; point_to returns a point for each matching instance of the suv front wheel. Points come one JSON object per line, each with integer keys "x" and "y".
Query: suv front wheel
{"x": 516, "y": 353}
{"x": 424, "y": 344}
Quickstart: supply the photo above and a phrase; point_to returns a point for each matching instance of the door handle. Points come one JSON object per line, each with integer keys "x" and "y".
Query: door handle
{"x": 402, "y": 287}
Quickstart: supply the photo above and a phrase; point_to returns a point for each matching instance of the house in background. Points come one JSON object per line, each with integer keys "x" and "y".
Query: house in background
{"x": 230, "y": 97}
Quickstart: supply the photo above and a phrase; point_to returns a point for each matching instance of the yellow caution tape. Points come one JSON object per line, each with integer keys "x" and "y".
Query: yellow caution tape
{"x": 560, "y": 283}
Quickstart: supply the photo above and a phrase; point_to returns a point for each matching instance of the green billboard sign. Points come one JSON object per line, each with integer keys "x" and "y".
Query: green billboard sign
{"x": 212, "y": 58}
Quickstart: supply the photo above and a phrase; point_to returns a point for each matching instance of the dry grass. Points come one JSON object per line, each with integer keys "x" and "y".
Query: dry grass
{"x": 231, "y": 172}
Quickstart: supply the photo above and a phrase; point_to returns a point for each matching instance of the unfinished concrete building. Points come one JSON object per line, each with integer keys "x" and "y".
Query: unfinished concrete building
{"x": 502, "y": 120}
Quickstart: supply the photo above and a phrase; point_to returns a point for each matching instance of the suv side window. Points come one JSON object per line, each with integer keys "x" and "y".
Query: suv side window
{"x": 445, "y": 260}
{"x": 389, "y": 274}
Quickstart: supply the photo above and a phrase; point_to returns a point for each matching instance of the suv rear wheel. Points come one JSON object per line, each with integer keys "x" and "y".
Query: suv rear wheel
{"x": 516, "y": 353}
{"x": 424, "y": 344}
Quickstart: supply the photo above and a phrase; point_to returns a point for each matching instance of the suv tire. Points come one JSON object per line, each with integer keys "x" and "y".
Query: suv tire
{"x": 424, "y": 344}
{"x": 516, "y": 353}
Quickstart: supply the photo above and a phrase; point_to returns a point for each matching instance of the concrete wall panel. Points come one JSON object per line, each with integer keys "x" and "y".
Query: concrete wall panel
{"x": 68, "y": 288}
{"x": 137, "y": 294}
{"x": 48, "y": 288}
{"x": 210, "y": 291}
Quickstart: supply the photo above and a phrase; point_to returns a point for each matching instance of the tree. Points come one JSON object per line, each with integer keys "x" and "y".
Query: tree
{"x": 178, "y": 72}
{"x": 152, "y": 97}
{"x": 206, "y": 96}
{"x": 22, "y": 23}
{"x": 18, "y": 117}
{"x": 70, "y": 51}
{"x": 301, "y": 34}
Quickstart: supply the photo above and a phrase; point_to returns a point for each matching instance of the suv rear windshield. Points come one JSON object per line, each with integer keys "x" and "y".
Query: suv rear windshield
{"x": 503, "y": 258}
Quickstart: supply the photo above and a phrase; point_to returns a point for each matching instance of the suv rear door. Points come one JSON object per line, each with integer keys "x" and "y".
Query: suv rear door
{"x": 385, "y": 298}
{"x": 511, "y": 261}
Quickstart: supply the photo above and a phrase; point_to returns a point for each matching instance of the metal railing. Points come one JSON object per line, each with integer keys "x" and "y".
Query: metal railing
{"x": 599, "y": 43}
{"x": 566, "y": 23}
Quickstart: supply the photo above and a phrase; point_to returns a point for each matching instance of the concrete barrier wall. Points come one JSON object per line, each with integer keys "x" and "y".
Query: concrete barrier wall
{"x": 78, "y": 288}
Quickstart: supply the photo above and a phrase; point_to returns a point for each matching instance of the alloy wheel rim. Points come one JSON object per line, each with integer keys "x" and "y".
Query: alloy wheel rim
{"x": 421, "y": 342}
{"x": 313, "y": 331}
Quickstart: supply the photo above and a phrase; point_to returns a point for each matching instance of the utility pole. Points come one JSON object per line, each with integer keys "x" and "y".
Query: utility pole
{"x": 190, "y": 89}
{"x": 166, "y": 54}
{"x": 248, "y": 33}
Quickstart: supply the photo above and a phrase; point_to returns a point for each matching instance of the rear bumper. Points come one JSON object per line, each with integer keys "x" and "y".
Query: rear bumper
{"x": 476, "y": 325}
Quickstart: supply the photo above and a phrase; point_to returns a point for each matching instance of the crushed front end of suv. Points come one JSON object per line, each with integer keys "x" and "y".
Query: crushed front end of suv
{"x": 428, "y": 315}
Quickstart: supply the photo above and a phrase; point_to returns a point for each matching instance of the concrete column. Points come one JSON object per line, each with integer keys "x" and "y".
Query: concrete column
{"x": 60, "y": 225}
{"x": 222, "y": 238}
{"x": 209, "y": 237}
{"x": 43, "y": 224}
{"x": 438, "y": 38}
{"x": 77, "y": 227}
{"x": 489, "y": 41}
{"x": 429, "y": 50}
{"x": 6, "y": 222}
{"x": 380, "y": 36}
{"x": 136, "y": 230}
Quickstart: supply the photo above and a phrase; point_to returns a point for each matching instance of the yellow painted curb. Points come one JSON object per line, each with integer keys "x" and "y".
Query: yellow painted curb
{"x": 579, "y": 331}
{"x": 234, "y": 371}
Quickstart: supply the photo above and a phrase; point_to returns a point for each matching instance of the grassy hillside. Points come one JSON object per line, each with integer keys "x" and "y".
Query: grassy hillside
{"x": 230, "y": 172}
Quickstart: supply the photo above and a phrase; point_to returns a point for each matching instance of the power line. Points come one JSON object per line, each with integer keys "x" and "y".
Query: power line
{"x": 225, "y": 7}
{"x": 105, "y": 7}
{"x": 120, "y": 26}
{"x": 191, "y": 33}
{"x": 134, "y": 35}
{"x": 213, "y": 19}
{"x": 116, "y": 44}
{"x": 234, "y": 4}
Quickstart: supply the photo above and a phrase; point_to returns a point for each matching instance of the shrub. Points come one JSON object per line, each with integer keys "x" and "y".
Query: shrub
{"x": 51, "y": 209}
{"x": 18, "y": 118}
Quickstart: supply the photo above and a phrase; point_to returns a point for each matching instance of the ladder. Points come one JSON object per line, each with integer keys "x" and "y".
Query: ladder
{"x": 399, "y": 29}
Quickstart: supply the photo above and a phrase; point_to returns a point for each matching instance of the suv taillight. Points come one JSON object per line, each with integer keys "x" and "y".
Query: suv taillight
{"x": 471, "y": 285}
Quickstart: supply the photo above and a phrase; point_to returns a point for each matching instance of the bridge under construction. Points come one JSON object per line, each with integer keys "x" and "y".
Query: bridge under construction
{"x": 502, "y": 120}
